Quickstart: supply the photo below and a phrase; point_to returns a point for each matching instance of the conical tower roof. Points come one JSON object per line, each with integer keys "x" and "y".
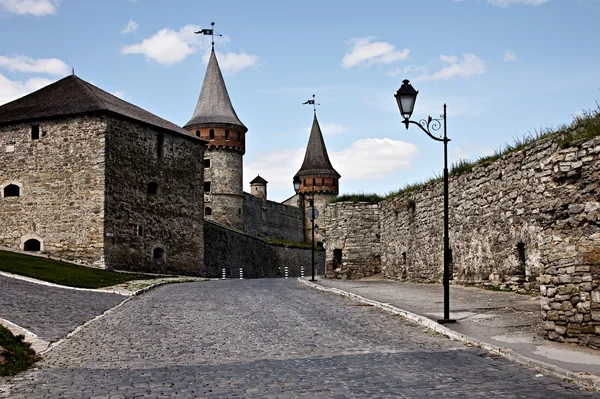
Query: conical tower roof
{"x": 214, "y": 106}
{"x": 316, "y": 161}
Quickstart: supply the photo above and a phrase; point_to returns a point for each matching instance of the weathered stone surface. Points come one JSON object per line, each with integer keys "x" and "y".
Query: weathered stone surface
{"x": 264, "y": 218}
{"x": 529, "y": 218}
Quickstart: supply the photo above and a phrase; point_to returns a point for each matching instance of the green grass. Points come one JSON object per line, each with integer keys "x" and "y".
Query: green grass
{"x": 61, "y": 272}
{"x": 17, "y": 355}
{"x": 361, "y": 197}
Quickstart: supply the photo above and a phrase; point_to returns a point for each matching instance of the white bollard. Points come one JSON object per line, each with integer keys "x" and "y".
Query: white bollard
{"x": 223, "y": 274}
{"x": 302, "y": 272}
{"x": 241, "y": 273}
{"x": 286, "y": 272}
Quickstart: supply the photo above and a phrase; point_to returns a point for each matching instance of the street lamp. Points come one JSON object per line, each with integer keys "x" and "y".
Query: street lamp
{"x": 313, "y": 214}
{"x": 406, "y": 96}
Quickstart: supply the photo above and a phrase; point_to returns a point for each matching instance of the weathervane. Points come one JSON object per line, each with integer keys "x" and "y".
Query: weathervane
{"x": 210, "y": 32}
{"x": 314, "y": 104}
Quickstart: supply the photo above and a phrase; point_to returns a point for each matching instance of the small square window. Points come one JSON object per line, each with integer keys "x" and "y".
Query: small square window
{"x": 35, "y": 132}
{"x": 207, "y": 163}
{"x": 207, "y": 187}
{"x": 139, "y": 230}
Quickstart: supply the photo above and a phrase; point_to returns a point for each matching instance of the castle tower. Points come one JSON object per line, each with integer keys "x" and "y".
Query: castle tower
{"x": 318, "y": 178}
{"x": 258, "y": 187}
{"x": 215, "y": 121}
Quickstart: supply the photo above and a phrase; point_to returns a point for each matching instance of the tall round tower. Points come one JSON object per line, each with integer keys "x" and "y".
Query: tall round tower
{"x": 318, "y": 179}
{"x": 215, "y": 121}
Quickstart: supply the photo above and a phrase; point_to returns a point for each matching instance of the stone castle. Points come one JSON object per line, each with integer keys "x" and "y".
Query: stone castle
{"x": 88, "y": 177}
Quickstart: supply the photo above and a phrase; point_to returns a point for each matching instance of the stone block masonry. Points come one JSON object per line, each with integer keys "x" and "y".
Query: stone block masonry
{"x": 528, "y": 221}
{"x": 231, "y": 250}
{"x": 268, "y": 219}
{"x": 60, "y": 175}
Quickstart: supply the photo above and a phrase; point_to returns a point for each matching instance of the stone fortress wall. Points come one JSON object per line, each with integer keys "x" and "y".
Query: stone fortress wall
{"x": 154, "y": 209}
{"x": 231, "y": 250}
{"x": 60, "y": 175}
{"x": 528, "y": 221}
{"x": 268, "y": 219}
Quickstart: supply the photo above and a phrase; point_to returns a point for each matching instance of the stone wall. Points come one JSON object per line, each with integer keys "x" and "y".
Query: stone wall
{"x": 61, "y": 180}
{"x": 231, "y": 250}
{"x": 353, "y": 244}
{"x": 529, "y": 220}
{"x": 154, "y": 199}
{"x": 268, "y": 219}
{"x": 225, "y": 198}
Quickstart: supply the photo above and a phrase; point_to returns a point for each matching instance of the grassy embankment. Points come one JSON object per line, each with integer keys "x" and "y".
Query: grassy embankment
{"x": 16, "y": 355}
{"x": 583, "y": 127}
{"x": 63, "y": 273}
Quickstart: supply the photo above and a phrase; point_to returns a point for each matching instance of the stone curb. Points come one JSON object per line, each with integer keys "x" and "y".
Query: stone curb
{"x": 37, "y": 344}
{"x": 41, "y": 282}
{"x": 585, "y": 380}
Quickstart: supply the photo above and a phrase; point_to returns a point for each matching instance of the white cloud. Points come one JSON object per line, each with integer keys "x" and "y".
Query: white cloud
{"x": 508, "y": 3}
{"x": 11, "y": 90}
{"x": 509, "y": 55}
{"x": 366, "y": 52}
{"x": 373, "y": 158}
{"x": 130, "y": 27}
{"x": 370, "y": 158}
{"x": 167, "y": 46}
{"x": 231, "y": 63}
{"x": 21, "y": 63}
{"x": 29, "y": 7}
{"x": 119, "y": 93}
{"x": 469, "y": 66}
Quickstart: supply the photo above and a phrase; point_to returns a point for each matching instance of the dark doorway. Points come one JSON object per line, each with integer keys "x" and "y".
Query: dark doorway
{"x": 158, "y": 255}
{"x": 337, "y": 258}
{"x": 32, "y": 245}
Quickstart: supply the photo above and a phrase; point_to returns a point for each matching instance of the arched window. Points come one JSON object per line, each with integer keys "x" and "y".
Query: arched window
{"x": 207, "y": 187}
{"x": 314, "y": 182}
{"x": 158, "y": 255}
{"x": 226, "y": 134}
{"x": 152, "y": 188}
{"x": 32, "y": 245}
{"x": 239, "y": 136}
{"x": 198, "y": 133}
{"x": 304, "y": 182}
{"x": 323, "y": 181}
{"x": 207, "y": 211}
{"x": 12, "y": 190}
{"x": 211, "y": 134}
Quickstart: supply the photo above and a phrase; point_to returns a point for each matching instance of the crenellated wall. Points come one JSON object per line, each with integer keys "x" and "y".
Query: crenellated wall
{"x": 528, "y": 221}
{"x": 268, "y": 219}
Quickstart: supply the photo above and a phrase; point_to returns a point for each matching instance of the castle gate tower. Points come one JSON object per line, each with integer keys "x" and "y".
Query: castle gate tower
{"x": 215, "y": 121}
{"x": 318, "y": 179}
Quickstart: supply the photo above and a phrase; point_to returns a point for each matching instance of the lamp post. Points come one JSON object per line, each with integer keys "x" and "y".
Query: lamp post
{"x": 406, "y": 97}
{"x": 313, "y": 214}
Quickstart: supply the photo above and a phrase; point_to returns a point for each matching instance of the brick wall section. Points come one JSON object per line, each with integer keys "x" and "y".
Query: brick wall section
{"x": 354, "y": 230}
{"x": 268, "y": 219}
{"x": 171, "y": 219}
{"x": 62, "y": 181}
{"x": 231, "y": 249}
{"x": 529, "y": 220}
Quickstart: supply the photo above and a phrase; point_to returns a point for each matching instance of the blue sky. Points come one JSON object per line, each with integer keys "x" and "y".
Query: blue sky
{"x": 504, "y": 67}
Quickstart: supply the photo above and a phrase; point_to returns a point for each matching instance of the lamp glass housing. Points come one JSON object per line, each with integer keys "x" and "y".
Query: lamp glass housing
{"x": 297, "y": 183}
{"x": 406, "y": 96}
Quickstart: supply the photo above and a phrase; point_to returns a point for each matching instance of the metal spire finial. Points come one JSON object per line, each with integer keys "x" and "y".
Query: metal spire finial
{"x": 210, "y": 32}
{"x": 313, "y": 102}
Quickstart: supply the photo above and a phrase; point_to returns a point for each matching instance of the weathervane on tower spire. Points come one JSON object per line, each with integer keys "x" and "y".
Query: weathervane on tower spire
{"x": 314, "y": 104}
{"x": 210, "y": 32}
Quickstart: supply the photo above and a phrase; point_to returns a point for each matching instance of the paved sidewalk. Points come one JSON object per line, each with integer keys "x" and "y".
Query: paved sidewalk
{"x": 506, "y": 320}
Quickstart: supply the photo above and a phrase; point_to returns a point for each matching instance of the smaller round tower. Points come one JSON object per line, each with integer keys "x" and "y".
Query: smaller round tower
{"x": 258, "y": 187}
{"x": 318, "y": 179}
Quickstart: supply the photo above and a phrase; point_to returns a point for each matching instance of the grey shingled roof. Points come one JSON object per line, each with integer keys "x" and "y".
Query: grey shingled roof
{"x": 74, "y": 96}
{"x": 316, "y": 161}
{"x": 258, "y": 179}
{"x": 214, "y": 106}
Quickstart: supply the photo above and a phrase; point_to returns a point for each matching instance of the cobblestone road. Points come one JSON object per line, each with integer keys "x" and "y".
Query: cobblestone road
{"x": 269, "y": 338}
{"x": 50, "y": 312}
